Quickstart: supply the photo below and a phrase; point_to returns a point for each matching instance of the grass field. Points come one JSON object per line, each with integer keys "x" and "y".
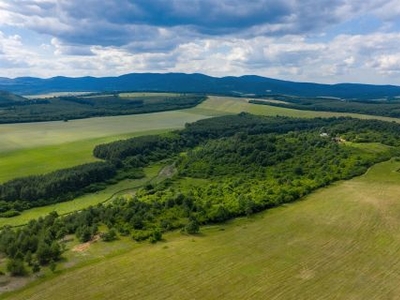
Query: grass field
{"x": 341, "y": 242}
{"x": 147, "y": 95}
{"x": 35, "y": 148}
{"x": 224, "y": 105}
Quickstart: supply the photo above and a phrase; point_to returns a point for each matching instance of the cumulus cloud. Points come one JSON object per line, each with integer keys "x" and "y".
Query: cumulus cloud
{"x": 123, "y": 22}
{"x": 289, "y": 39}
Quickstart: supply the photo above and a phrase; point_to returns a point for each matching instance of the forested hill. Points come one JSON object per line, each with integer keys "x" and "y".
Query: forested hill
{"x": 199, "y": 83}
{"x": 7, "y": 98}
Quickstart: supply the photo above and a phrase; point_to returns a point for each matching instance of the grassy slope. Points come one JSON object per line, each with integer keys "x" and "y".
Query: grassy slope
{"x": 341, "y": 242}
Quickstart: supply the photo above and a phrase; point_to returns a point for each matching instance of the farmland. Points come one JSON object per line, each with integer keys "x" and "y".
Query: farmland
{"x": 341, "y": 242}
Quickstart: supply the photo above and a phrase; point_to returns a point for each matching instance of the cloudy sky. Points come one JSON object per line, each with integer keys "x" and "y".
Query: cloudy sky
{"x": 302, "y": 40}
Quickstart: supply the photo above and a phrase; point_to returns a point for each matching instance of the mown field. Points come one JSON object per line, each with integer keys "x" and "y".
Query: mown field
{"x": 341, "y": 242}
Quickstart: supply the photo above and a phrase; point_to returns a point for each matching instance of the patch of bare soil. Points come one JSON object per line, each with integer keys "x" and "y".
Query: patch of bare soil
{"x": 85, "y": 246}
{"x": 167, "y": 171}
{"x": 8, "y": 283}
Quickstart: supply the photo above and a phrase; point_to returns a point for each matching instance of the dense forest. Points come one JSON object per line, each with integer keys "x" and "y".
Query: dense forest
{"x": 93, "y": 105}
{"x": 384, "y": 107}
{"x": 225, "y": 167}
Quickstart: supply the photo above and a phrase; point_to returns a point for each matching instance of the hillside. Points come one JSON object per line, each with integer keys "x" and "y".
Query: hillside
{"x": 7, "y": 99}
{"x": 199, "y": 83}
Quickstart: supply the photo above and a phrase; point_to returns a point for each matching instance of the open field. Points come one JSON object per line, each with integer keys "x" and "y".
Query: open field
{"x": 141, "y": 95}
{"x": 341, "y": 242}
{"x": 31, "y": 135}
{"x": 35, "y": 148}
{"x": 45, "y": 159}
{"x": 224, "y": 105}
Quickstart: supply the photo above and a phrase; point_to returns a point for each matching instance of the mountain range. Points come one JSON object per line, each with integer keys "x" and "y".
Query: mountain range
{"x": 200, "y": 83}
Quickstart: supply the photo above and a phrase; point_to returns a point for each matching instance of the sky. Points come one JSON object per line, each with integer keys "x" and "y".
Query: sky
{"x": 327, "y": 41}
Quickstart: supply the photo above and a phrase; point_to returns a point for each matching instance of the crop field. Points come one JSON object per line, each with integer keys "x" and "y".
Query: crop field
{"x": 341, "y": 242}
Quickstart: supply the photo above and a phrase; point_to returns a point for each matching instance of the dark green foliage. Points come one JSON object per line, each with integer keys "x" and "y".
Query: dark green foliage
{"x": 10, "y": 213}
{"x": 79, "y": 107}
{"x": 54, "y": 187}
{"x": 386, "y": 107}
{"x": 52, "y": 266}
{"x": 16, "y": 267}
{"x": 140, "y": 150}
{"x": 155, "y": 236}
{"x": 109, "y": 236}
{"x": 35, "y": 267}
{"x": 193, "y": 226}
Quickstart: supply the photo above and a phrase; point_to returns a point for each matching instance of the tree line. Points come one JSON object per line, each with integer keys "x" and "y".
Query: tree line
{"x": 80, "y": 107}
{"x": 388, "y": 108}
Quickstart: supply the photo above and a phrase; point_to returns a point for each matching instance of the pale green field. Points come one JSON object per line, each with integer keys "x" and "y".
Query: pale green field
{"x": 45, "y": 159}
{"x": 31, "y": 135}
{"x": 341, "y": 242}
{"x": 35, "y": 148}
{"x": 224, "y": 105}
{"x": 140, "y": 95}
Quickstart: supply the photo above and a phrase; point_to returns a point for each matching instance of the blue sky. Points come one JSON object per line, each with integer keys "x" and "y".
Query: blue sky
{"x": 326, "y": 41}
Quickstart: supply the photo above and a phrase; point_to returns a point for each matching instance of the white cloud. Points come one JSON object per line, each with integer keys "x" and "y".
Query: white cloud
{"x": 288, "y": 39}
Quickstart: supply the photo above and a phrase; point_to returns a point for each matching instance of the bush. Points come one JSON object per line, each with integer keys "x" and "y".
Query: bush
{"x": 10, "y": 214}
{"x": 109, "y": 236}
{"x": 16, "y": 267}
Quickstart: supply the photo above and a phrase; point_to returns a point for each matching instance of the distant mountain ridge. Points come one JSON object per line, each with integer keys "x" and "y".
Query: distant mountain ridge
{"x": 200, "y": 83}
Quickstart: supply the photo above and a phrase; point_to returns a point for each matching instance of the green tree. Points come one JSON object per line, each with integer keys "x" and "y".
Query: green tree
{"x": 16, "y": 267}
{"x": 193, "y": 226}
{"x": 156, "y": 235}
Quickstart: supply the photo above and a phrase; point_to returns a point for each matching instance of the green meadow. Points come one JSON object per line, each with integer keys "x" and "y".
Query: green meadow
{"x": 36, "y": 148}
{"x": 341, "y": 242}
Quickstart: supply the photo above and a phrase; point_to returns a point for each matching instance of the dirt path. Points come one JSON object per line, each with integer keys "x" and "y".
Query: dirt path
{"x": 85, "y": 246}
